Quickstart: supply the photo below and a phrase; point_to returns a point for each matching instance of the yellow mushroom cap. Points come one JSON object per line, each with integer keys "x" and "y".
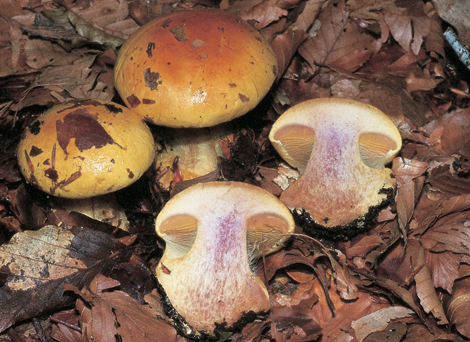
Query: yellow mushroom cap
{"x": 86, "y": 148}
{"x": 213, "y": 231}
{"x": 340, "y": 147}
{"x": 194, "y": 68}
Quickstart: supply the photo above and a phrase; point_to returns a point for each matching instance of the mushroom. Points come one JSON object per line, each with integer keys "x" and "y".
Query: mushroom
{"x": 192, "y": 69}
{"x": 196, "y": 151}
{"x": 85, "y": 149}
{"x": 340, "y": 148}
{"x": 213, "y": 232}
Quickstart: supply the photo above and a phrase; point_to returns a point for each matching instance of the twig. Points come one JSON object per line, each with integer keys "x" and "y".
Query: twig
{"x": 458, "y": 47}
{"x": 39, "y": 330}
{"x": 68, "y": 325}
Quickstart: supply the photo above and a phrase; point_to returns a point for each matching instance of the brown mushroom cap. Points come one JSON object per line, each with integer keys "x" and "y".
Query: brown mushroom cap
{"x": 340, "y": 148}
{"x": 86, "y": 148}
{"x": 213, "y": 231}
{"x": 194, "y": 68}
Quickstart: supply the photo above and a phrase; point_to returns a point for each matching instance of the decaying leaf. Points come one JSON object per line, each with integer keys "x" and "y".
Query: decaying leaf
{"x": 35, "y": 265}
{"x": 108, "y": 314}
{"x": 457, "y": 306}
{"x": 410, "y": 181}
{"x": 378, "y": 320}
{"x": 338, "y": 43}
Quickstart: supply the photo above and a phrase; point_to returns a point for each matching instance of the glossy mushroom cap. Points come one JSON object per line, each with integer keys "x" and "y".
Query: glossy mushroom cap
{"x": 194, "y": 68}
{"x": 213, "y": 232}
{"x": 84, "y": 149}
{"x": 340, "y": 148}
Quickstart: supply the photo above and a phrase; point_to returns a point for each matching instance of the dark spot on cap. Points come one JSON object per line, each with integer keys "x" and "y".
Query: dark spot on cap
{"x": 166, "y": 23}
{"x": 258, "y": 39}
{"x": 151, "y": 79}
{"x": 47, "y": 162}
{"x": 131, "y": 174}
{"x": 36, "y": 127}
{"x": 51, "y": 174}
{"x": 232, "y": 85}
{"x": 221, "y": 29}
{"x": 274, "y": 70}
{"x": 85, "y": 128}
{"x": 112, "y": 108}
{"x": 35, "y": 151}
{"x": 150, "y": 48}
{"x": 133, "y": 101}
{"x": 178, "y": 33}
{"x": 148, "y": 101}
{"x": 243, "y": 97}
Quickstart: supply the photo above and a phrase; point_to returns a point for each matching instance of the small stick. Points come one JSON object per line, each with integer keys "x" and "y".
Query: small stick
{"x": 458, "y": 47}
{"x": 39, "y": 330}
{"x": 68, "y": 325}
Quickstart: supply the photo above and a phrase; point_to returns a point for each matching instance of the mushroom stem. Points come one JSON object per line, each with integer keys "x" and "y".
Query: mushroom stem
{"x": 197, "y": 150}
{"x": 104, "y": 208}
{"x": 337, "y": 172}
{"x": 213, "y": 231}
{"x": 340, "y": 148}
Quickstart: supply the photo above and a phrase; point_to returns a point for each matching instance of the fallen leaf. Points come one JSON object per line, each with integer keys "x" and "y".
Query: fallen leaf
{"x": 410, "y": 180}
{"x": 107, "y": 314}
{"x": 378, "y": 320}
{"x": 425, "y": 288}
{"x": 339, "y": 43}
{"x": 455, "y": 12}
{"x": 457, "y": 306}
{"x": 35, "y": 265}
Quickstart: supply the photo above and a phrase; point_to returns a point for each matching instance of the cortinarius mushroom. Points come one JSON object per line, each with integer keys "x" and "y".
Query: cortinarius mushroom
{"x": 213, "y": 233}
{"x": 340, "y": 147}
{"x": 194, "y": 68}
{"x": 85, "y": 149}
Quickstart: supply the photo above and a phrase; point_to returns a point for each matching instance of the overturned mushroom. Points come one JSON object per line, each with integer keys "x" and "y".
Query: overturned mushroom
{"x": 213, "y": 233}
{"x": 85, "y": 149}
{"x": 340, "y": 148}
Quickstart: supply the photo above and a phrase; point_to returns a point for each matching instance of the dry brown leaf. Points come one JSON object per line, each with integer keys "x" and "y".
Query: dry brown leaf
{"x": 421, "y": 82}
{"x": 378, "y": 320}
{"x": 410, "y": 180}
{"x": 345, "y": 284}
{"x": 456, "y": 13}
{"x": 409, "y": 26}
{"x": 35, "y": 265}
{"x": 444, "y": 268}
{"x": 61, "y": 16}
{"x": 262, "y": 15}
{"x": 338, "y": 43}
{"x": 336, "y": 329}
{"x": 450, "y": 233}
{"x": 106, "y": 313}
{"x": 10, "y": 46}
{"x": 431, "y": 213}
{"x": 435, "y": 40}
{"x": 285, "y": 46}
{"x": 425, "y": 288}
{"x": 457, "y": 306}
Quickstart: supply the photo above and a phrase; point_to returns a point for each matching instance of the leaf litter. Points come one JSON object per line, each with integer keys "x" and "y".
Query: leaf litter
{"x": 406, "y": 279}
